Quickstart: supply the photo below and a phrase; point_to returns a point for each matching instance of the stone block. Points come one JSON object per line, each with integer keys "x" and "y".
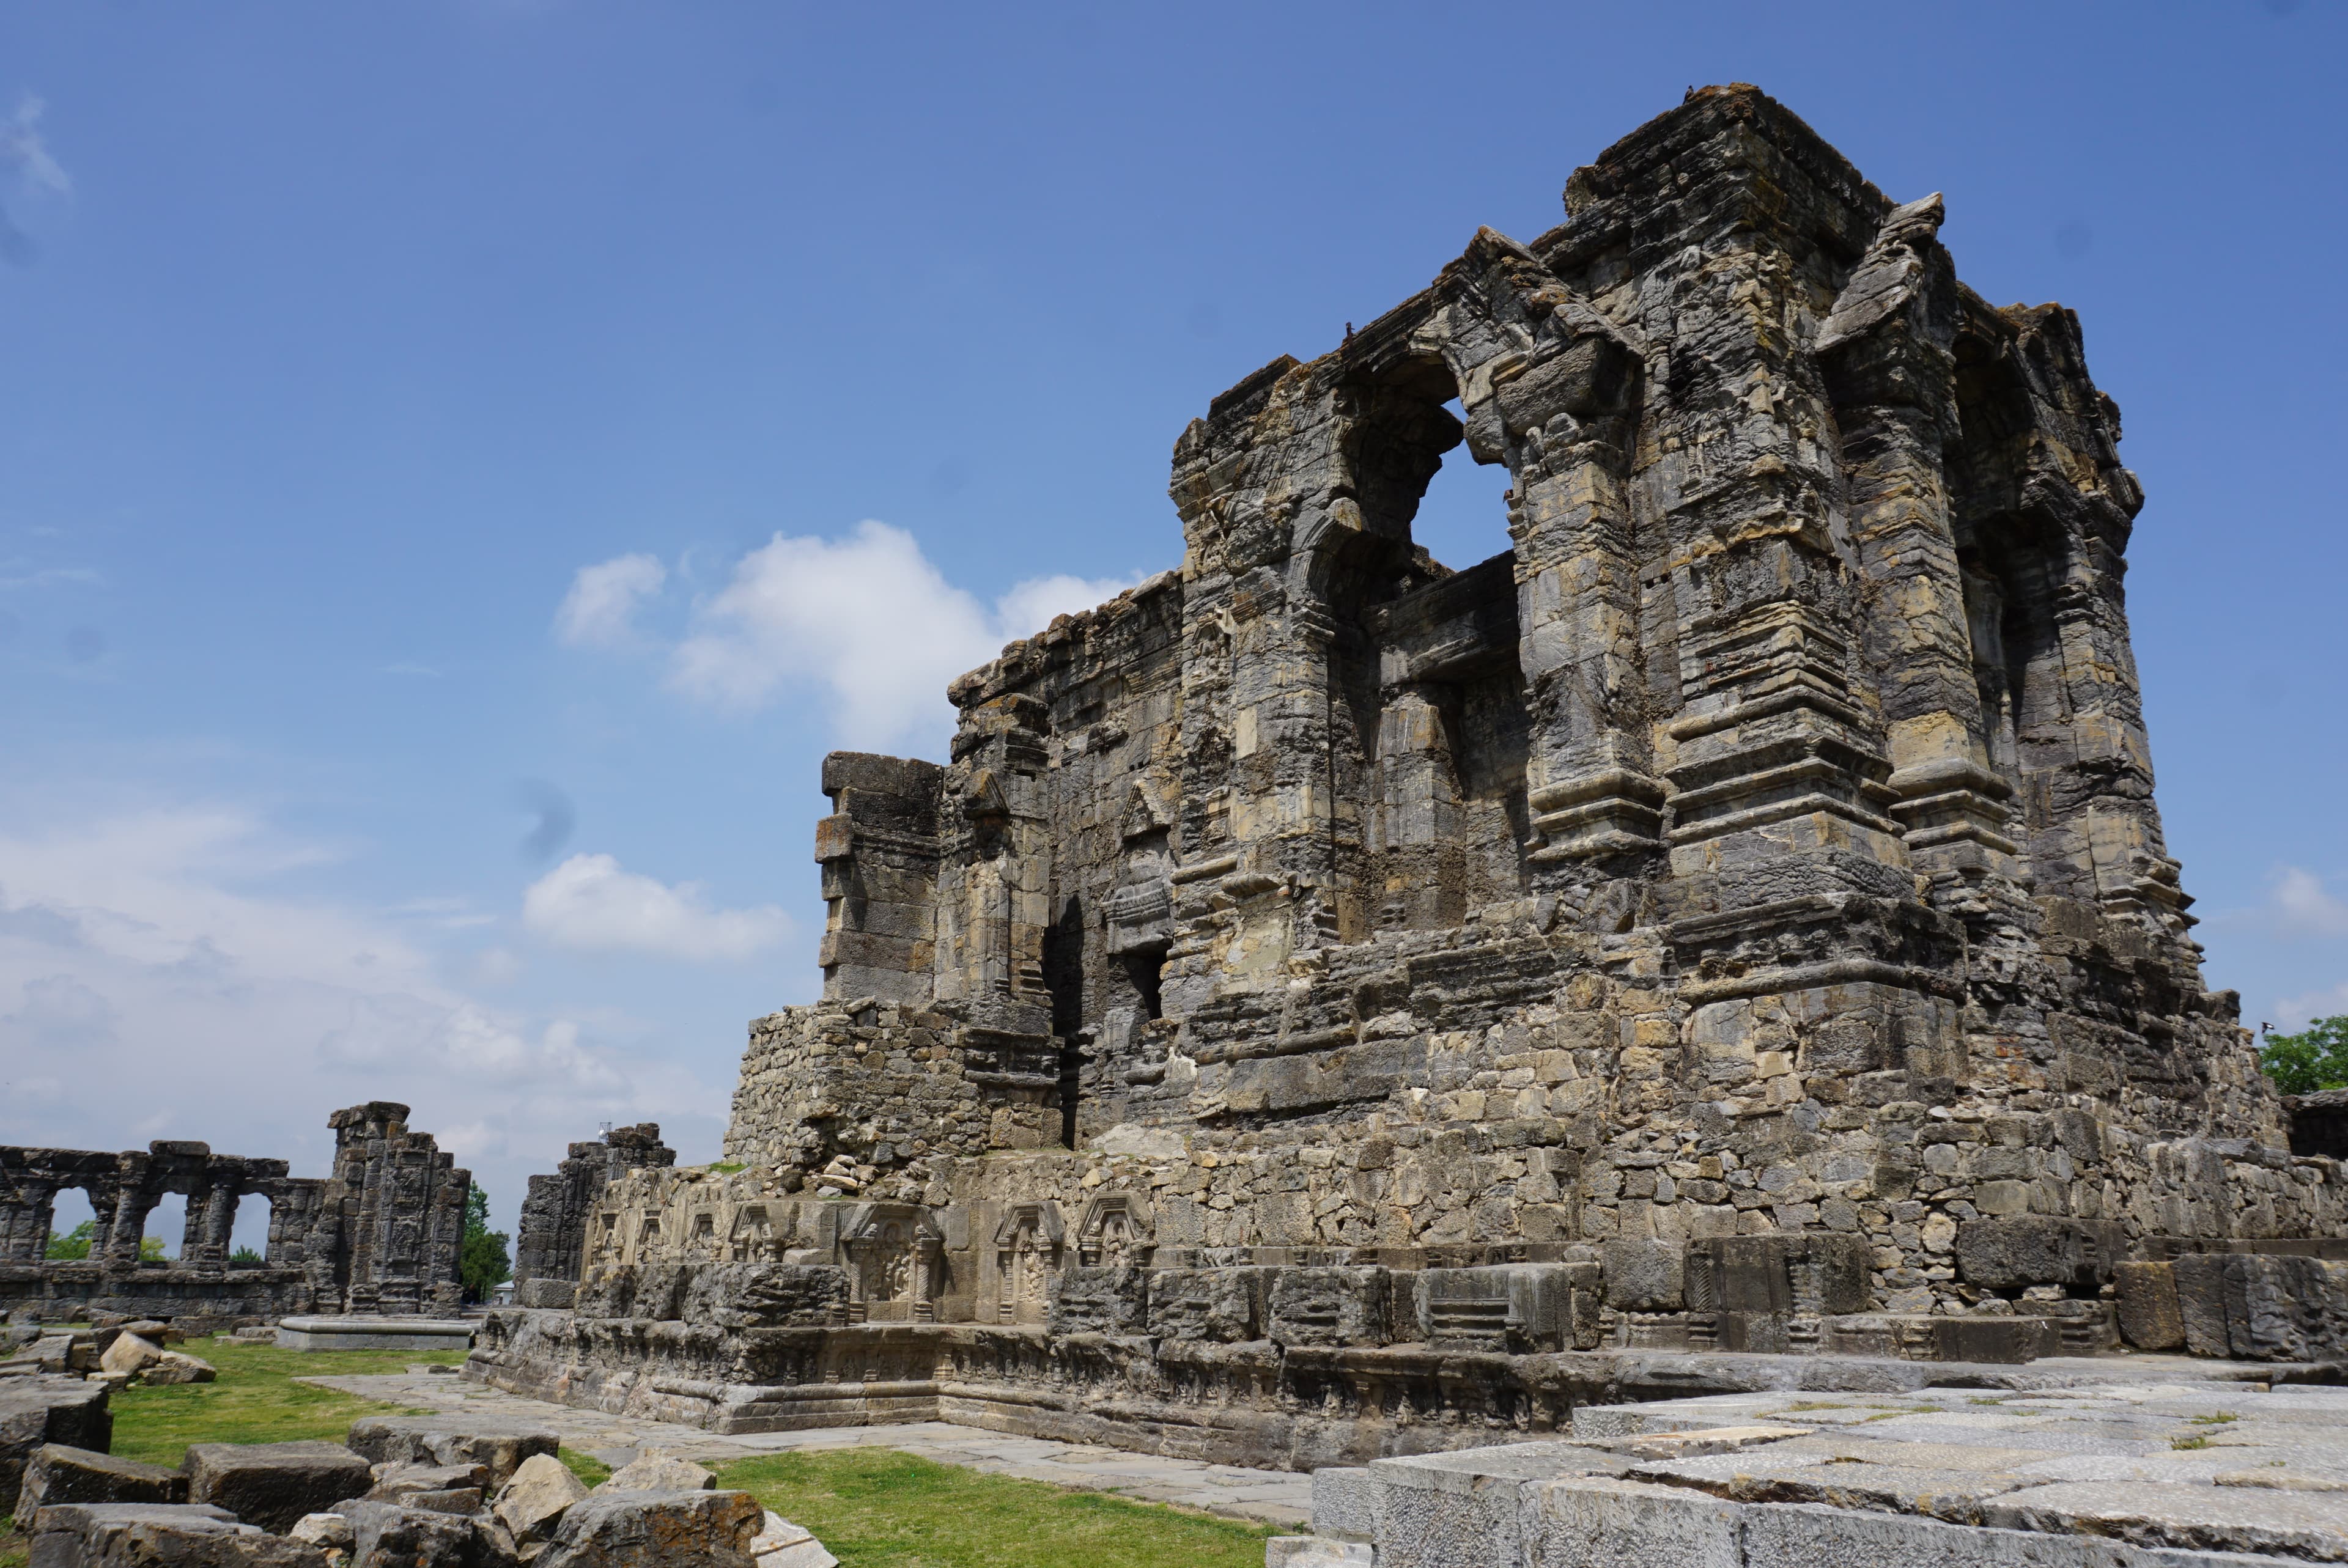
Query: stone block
{"x": 658, "y": 1472}
{"x": 532, "y": 1500}
{"x": 656, "y": 1530}
{"x": 1507, "y": 1307}
{"x": 158, "y": 1535}
{"x": 1207, "y": 1306}
{"x": 1809, "y": 1535}
{"x": 177, "y": 1366}
{"x": 1100, "y": 1298}
{"x": 780, "y": 1544}
{"x": 397, "y": 1483}
{"x": 1601, "y": 1523}
{"x": 2199, "y": 1517}
{"x": 1811, "y": 1273}
{"x": 274, "y": 1484}
{"x": 545, "y": 1295}
{"x": 41, "y": 1408}
{"x": 1645, "y": 1275}
{"x": 2011, "y": 1251}
{"x": 57, "y": 1474}
{"x": 1461, "y": 1509}
{"x": 2150, "y": 1318}
{"x": 1331, "y": 1307}
{"x": 498, "y": 1445}
{"x": 129, "y": 1353}
{"x": 1344, "y": 1502}
{"x": 1313, "y": 1552}
{"x": 396, "y": 1536}
{"x": 2262, "y": 1306}
{"x": 764, "y": 1295}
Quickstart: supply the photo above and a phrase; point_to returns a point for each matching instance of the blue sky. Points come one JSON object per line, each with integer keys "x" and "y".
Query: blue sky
{"x": 467, "y": 461}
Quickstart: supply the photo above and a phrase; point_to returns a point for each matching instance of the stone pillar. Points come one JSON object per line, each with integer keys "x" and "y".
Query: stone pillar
{"x": 26, "y": 1216}
{"x": 879, "y": 851}
{"x": 1886, "y": 353}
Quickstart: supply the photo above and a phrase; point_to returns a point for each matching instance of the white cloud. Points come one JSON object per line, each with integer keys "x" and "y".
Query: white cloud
{"x": 2294, "y": 1013}
{"x": 24, "y": 149}
{"x": 588, "y": 902}
{"x": 2299, "y": 906}
{"x": 600, "y": 610}
{"x": 869, "y": 622}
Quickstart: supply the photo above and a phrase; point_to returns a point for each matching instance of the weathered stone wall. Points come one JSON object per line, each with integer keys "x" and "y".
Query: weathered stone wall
{"x": 559, "y": 1209}
{"x": 381, "y": 1234}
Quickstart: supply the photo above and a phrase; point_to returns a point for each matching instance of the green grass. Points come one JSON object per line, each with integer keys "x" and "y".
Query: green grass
{"x": 255, "y": 1401}
{"x": 876, "y": 1508}
{"x": 586, "y": 1467}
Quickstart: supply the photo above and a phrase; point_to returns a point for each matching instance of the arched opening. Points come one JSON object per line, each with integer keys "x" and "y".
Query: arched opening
{"x": 73, "y": 1227}
{"x": 164, "y": 1234}
{"x": 1463, "y": 517}
{"x": 248, "y": 1246}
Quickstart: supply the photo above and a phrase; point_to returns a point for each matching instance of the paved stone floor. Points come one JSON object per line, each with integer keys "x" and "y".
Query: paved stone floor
{"x": 1264, "y": 1496}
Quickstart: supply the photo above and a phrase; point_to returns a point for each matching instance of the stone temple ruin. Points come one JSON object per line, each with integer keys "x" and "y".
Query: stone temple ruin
{"x": 381, "y": 1235}
{"x": 1331, "y": 1004}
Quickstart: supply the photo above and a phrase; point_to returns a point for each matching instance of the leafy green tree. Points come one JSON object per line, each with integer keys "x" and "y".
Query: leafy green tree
{"x": 483, "y": 1262}
{"x": 2315, "y": 1057}
{"x": 73, "y": 1247}
{"x": 245, "y": 1257}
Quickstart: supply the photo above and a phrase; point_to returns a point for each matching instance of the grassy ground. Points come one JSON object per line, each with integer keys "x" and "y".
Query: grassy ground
{"x": 255, "y": 1399}
{"x": 876, "y": 1508}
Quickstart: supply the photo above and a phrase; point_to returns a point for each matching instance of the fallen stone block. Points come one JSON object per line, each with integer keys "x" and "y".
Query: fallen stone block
{"x": 498, "y": 1445}
{"x": 327, "y": 1531}
{"x": 159, "y": 1535}
{"x": 780, "y": 1544}
{"x": 656, "y": 1530}
{"x": 1601, "y": 1523}
{"x": 395, "y": 1482}
{"x": 390, "y": 1535}
{"x": 177, "y": 1366}
{"x": 41, "y": 1408}
{"x": 658, "y": 1472}
{"x": 532, "y": 1501}
{"x": 274, "y": 1484}
{"x": 58, "y": 1474}
{"x": 130, "y": 1353}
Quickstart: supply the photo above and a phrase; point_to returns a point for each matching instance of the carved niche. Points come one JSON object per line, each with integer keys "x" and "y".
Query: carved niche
{"x": 896, "y": 1263}
{"x": 1028, "y": 1248}
{"x": 1116, "y": 1232}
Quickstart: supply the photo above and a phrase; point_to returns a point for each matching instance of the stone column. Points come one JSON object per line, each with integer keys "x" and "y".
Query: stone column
{"x": 1419, "y": 818}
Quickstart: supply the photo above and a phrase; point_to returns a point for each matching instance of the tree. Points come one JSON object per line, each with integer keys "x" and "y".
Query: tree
{"x": 245, "y": 1257}
{"x": 74, "y": 1246}
{"x": 483, "y": 1262}
{"x": 2315, "y": 1057}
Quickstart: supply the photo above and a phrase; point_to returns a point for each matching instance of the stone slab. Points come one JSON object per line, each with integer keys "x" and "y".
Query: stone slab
{"x": 362, "y": 1333}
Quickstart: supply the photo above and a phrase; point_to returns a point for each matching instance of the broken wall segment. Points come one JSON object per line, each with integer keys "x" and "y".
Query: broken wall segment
{"x": 558, "y": 1210}
{"x": 380, "y": 1234}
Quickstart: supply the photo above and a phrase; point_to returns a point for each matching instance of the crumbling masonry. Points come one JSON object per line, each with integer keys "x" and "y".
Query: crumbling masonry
{"x": 380, "y": 1235}
{"x": 1328, "y": 1003}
